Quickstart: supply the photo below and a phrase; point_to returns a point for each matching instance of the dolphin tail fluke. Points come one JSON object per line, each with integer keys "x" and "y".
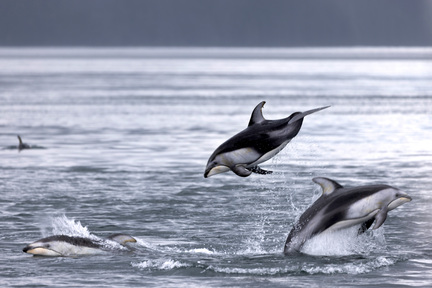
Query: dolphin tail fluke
{"x": 241, "y": 171}
{"x": 259, "y": 170}
{"x": 380, "y": 217}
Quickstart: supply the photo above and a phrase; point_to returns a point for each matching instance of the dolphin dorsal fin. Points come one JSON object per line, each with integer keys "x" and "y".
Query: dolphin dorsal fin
{"x": 122, "y": 239}
{"x": 19, "y": 139}
{"x": 328, "y": 186}
{"x": 257, "y": 116}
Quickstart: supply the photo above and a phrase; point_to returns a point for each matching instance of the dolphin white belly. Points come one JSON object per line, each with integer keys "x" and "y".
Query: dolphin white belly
{"x": 228, "y": 160}
{"x": 270, "y": 154}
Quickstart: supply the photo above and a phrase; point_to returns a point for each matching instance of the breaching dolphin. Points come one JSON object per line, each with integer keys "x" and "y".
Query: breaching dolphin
{"x": 22, "y": 145}
{"x": 340, "y": 207}
{"x": 63, "y": 245}
{"x": 259, "y": 142}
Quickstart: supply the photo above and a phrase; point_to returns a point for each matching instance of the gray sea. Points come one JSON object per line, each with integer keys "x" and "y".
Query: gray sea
{"x": 120, "y": 139}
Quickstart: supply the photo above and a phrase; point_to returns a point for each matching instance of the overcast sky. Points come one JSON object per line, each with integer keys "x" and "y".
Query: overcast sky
{"x": 216, "y": 23}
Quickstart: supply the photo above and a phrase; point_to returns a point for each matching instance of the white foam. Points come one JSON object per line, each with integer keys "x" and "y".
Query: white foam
{"x": 164, "y": 264}
{"x": 350, "y": 268}
{"x": 344, "y": 242}
{"x": 359, "y": 267}
{"x": 250, "y": 271}
{"x": 145, "y": 244}
{"x": 201, "y": 251}
{"x": 175, "y": 249}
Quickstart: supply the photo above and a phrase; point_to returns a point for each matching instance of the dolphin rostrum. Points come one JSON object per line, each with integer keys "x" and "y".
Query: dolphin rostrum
{"x": 259, "y": 142}
{"x": 63, "y": 245}
{"x": 339, "y": 207}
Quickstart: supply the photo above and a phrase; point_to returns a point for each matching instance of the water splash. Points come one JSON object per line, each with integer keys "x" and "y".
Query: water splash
{"x": 201, "y": 251}
{"x": 145, "y": 244}
{"x": 62, "y": 225}
{"x": 262, "y": 271}
{"x": 350, "y": 268}
{"x": 345, "y": 242}
{"x": 160, "y": 264}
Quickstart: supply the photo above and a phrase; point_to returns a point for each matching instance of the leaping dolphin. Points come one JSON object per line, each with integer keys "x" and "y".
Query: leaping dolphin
{"x": 340, "y": 207}
{"x": 63, "y": 245}
{"x": 259, "y": 142}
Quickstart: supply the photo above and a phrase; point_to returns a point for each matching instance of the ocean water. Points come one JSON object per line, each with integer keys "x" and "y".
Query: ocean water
{"x": 120, "y": 139}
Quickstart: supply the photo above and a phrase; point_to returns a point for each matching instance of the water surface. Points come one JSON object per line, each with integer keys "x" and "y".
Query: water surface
{"x": 121, "y": 138}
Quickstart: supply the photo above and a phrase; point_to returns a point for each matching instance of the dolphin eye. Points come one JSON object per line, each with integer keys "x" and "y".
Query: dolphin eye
{"x": 47, "y": 246}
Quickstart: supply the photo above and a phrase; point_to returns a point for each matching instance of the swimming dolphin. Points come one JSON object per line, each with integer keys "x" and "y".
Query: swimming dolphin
{"x": 259, "y": 142}
{"x": 340, "y": 207}
{"x": 63, "y": 245}
{"x": 22, "y": 145}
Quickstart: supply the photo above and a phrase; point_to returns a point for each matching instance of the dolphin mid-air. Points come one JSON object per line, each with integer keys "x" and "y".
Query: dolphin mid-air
{"x": 63, "y": 245}
{"x": 340, "y": 207}
{"x": 259, "y": 142}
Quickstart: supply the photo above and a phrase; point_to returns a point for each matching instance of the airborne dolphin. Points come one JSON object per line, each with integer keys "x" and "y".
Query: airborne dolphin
{"x": 63, "y": 245}
{"x": 259, "y": 142}
{"x": 340, "y": 207}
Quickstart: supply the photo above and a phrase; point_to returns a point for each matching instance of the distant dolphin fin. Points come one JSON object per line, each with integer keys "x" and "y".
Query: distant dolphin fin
{"x": 241, "y": 171}
{"x": 327, "y": 185}
{"x": 257, "y": 116}
{"x": 380, "y": 217}
{"x": 304, "y": 114}
{"x": 259, "y": 170}
{"x": 19, "y": 139}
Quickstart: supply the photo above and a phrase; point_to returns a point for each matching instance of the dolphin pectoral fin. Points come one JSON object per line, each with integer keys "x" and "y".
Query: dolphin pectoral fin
{"x": 365, "y": 226}
{"x": 257, "y": 116}
{"x": 259, "y": 170}
{"x": 327, "y": 185}
{"x": 241, "y": 171}
{"x": 380, "y": 217}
